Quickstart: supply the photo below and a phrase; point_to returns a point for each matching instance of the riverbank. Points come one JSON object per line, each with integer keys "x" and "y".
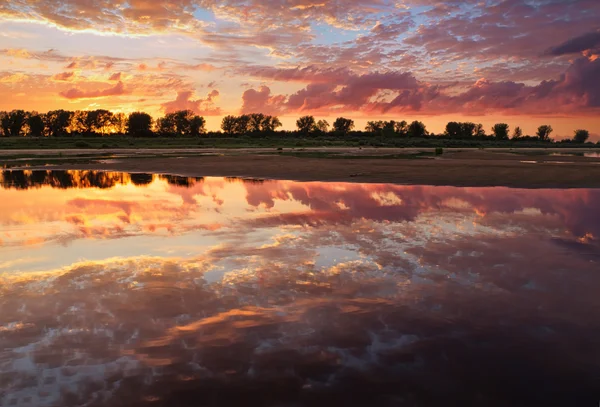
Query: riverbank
{"x": 526, "y": 168}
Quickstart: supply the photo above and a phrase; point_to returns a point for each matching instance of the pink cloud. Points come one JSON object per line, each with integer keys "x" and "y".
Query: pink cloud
{"x": 262, "y": 101}
{"x": 394, "y": 91}
{"x": 203, "y": 107}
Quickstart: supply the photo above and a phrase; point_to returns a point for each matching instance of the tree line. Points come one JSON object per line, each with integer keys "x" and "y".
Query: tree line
{"x": 100, "y": 122}
{"x": 61, "y": 179}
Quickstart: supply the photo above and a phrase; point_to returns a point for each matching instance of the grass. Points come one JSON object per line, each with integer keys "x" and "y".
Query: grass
{"x": 276, "y": 141}
{"x": 28, "y": 160}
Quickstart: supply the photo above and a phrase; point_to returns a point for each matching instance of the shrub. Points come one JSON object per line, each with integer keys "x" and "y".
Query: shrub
{"x": 439, "y": 151}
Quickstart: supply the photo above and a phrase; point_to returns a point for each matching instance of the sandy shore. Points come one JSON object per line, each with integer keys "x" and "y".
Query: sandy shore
{"x": 460, "y": 167}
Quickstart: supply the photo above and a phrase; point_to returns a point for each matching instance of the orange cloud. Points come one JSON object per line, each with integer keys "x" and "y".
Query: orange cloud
{"x": 75, "y": 93}
{"x": 13, "y": 78}
{"x": 64, "y": 76}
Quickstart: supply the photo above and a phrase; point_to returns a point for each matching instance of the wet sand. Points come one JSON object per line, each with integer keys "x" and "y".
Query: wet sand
{"x": 522, "y": 169}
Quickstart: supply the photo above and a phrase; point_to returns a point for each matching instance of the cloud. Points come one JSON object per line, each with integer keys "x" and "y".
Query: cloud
{"x": 310, "y": 74}
{"x": 184, "y": 101}
{"x": 64, "y": 76}
{"x": 197, "y": 67}
{"x": 367, "y": 56}
{"x": 331, "y": 90}
{"x": 578, "y": 44}
{"x": 7, "y": 77}
{"x": 261, "y": 100}
{"x": 76, "y": 93}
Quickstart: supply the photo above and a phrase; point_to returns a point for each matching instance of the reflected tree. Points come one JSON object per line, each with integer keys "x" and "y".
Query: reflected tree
{"x": 141, "y": 179}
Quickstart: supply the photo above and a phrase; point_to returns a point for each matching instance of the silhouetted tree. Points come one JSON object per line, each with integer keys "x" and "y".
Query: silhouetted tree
{"x": 374, "y": 126}
{"x": 4, "y": 124}
{"x": 35, "y": 124}
{"x": 79, "y": 122}
{"x": 255, "y": 122}
{"x": 581, "y": 136}
{"x": 453, "y": 130}
{"x": 261, "y": 123}
{"x": 241, "y": 124}
{"x": 100, "y": 121}
{"x": 270, "y": 124}
{"x": 544, "y": 132}
{"x": 228, "y": 124}
{"x": 417, "y": 129}
{"x": 456, "y": 130}
{"x": 500, "y": 131}
{"x": 389, "y": 128}
{"x": 322, "y": 126}
{"x": 197, "y": 126}
{"x": 13, "y": 123}
{"x": 58, "y": 122}
{"x": 401, "y": 128}
{"x": 119, "y": 123}
{"x": 517, "y": 133}
{"x": 343, "y": 125}
{"x": 181, "y": 123}
{"x": 166, "y": 125}
{"x": 306, "y": 124}
{"x": 479, "y": 131}
{"x": 92, "y": 121}
{"x": 139, "y": 124}
{"x": 468, "y": 129}
{"x": 384, "y": 128}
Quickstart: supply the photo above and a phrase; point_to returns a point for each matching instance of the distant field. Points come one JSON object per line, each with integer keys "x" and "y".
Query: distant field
{"x": 115, "y": 142}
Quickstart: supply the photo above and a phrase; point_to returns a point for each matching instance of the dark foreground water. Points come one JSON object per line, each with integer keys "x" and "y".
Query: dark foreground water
{"x": 141, "y": 290}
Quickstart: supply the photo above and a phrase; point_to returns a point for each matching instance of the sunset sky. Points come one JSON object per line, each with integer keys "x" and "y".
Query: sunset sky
{"x": 524, "y": 62}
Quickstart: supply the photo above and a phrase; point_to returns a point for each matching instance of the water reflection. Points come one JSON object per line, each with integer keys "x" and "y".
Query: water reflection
{"x": 133, "y": 289}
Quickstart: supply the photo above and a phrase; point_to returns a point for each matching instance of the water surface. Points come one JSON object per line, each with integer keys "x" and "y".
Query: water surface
{"x": 143, "y": 290}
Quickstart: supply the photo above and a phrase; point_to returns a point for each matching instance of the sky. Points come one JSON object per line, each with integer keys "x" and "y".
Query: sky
{"x": 523, "y": 62}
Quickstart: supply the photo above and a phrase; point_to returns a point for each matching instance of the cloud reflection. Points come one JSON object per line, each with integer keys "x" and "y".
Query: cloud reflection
{"x": 160, "y": 290}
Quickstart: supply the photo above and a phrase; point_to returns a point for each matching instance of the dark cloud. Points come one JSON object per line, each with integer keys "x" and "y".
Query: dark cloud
{"x": 578, "y": 44}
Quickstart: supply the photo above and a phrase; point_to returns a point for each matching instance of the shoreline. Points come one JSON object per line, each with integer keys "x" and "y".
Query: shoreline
{"x": 464, "y": 168}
